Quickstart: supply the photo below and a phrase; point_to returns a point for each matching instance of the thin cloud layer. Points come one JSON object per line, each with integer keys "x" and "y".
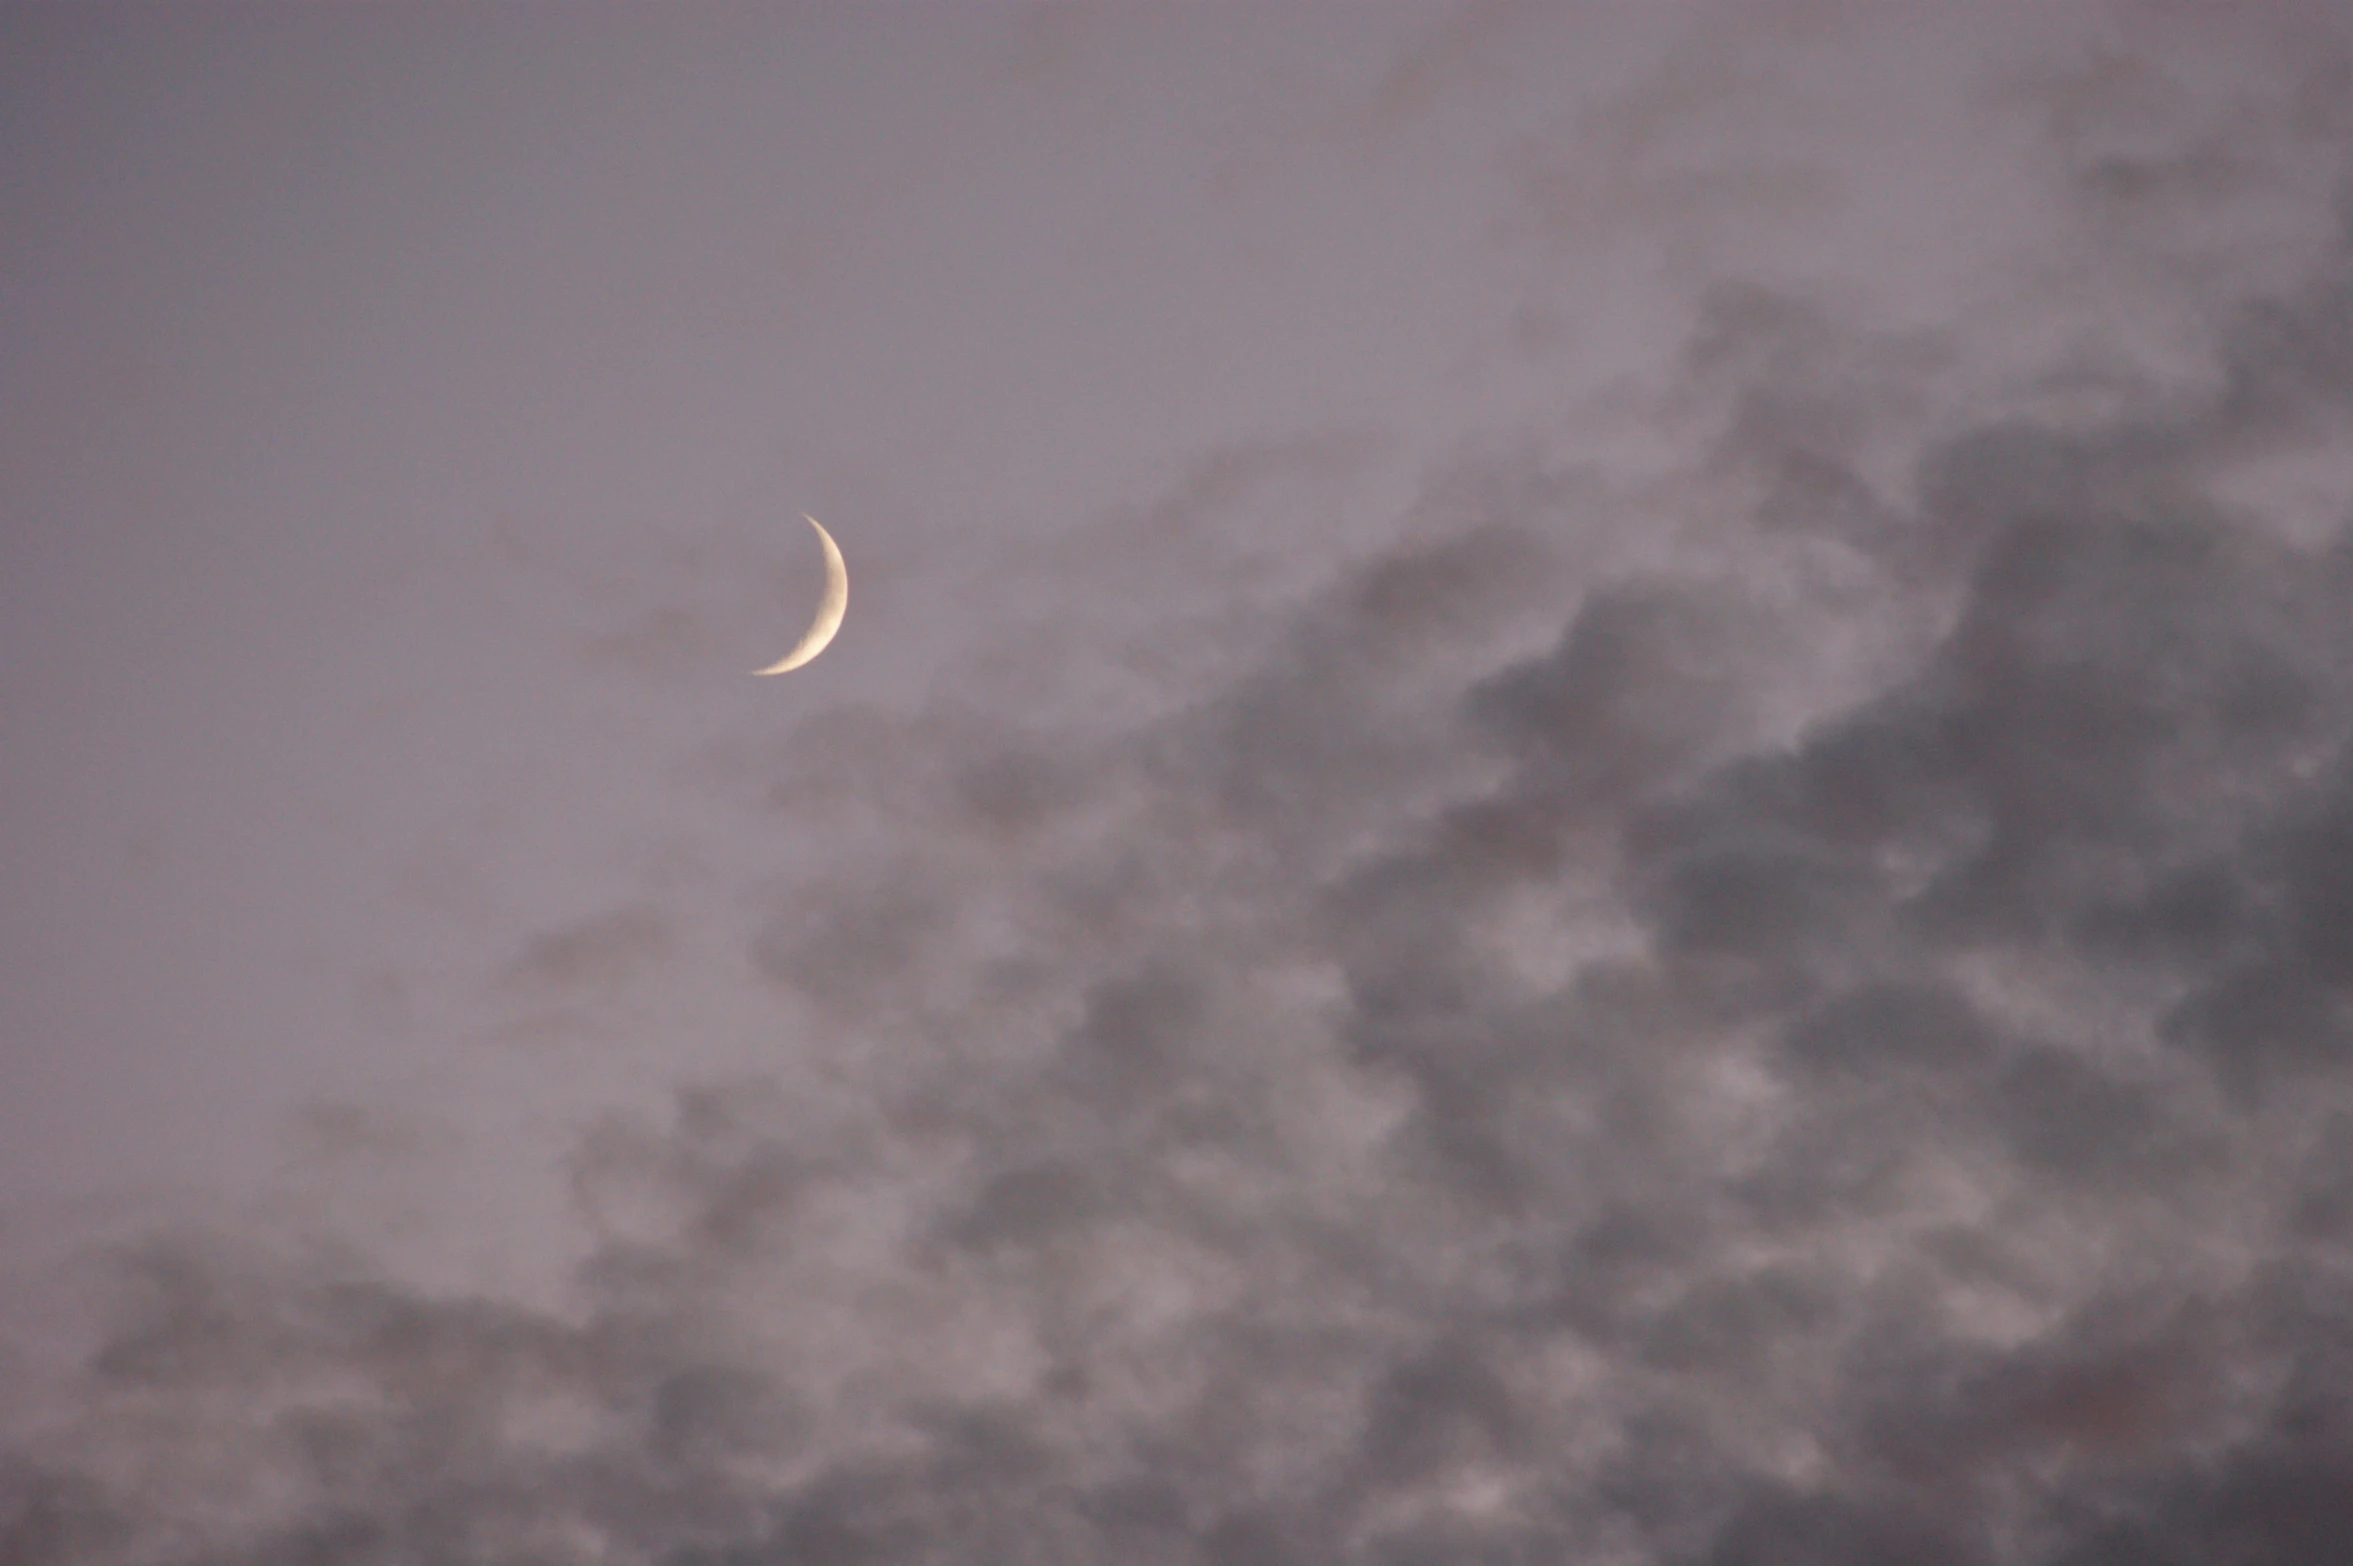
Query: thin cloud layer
{"x": 1431, "y": 1100}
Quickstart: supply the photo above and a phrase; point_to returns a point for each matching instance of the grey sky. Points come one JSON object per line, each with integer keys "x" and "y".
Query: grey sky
{"x": 1587, "y": 797}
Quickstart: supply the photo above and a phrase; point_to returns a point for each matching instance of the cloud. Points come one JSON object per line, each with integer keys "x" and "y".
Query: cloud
{"x": 599, "y": 950}
{"x": 1435, "y": 1093}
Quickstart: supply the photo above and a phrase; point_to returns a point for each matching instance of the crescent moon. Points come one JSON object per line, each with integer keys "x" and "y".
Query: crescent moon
{"x": 831, "y": 606}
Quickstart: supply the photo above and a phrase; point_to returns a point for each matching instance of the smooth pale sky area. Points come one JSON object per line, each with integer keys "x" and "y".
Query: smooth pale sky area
{"x": 1589, "y": 797}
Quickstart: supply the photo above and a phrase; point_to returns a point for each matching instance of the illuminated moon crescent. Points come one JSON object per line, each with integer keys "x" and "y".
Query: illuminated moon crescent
{"x": 830, "y": 608}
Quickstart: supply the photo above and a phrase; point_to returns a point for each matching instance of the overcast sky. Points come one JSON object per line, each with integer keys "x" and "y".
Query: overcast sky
{"x": 1589, "y": 796}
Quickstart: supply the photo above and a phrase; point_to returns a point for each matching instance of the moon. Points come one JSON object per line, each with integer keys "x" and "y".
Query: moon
{"x": 831, "y": 606}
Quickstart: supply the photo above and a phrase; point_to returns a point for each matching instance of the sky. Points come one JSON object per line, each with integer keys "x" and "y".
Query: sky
{"x": 1589, "y": 795}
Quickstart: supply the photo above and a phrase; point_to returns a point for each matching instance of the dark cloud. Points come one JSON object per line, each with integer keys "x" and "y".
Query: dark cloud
{"x": 606, "y": 949}
{"x": 1442, "y": 1093}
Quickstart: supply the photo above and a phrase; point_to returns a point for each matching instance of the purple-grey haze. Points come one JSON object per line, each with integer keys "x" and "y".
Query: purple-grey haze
{"x": 1589, "y": 798}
